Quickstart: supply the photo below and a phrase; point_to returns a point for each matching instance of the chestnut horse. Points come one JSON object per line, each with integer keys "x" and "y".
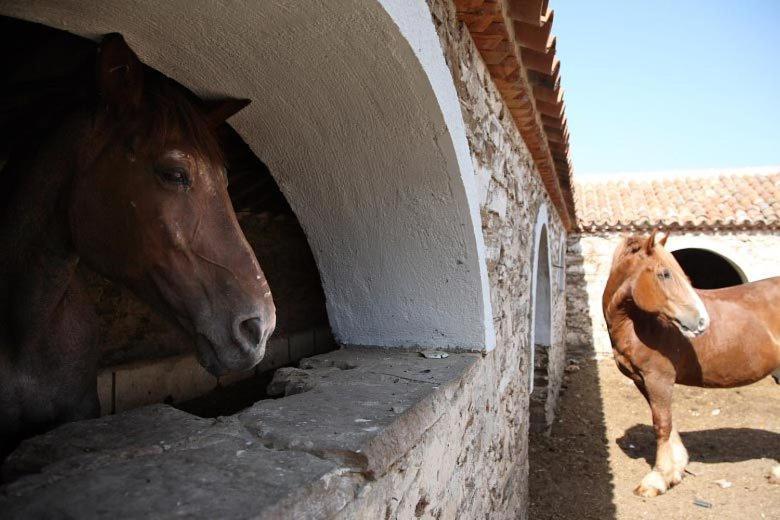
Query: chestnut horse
{"x": 663, "y": 331}
{"x": 133, "y": 185}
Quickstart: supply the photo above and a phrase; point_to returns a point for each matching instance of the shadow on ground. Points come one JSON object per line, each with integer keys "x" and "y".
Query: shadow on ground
{"x": 707, "y": 446}
{"x": 570, "y": 476}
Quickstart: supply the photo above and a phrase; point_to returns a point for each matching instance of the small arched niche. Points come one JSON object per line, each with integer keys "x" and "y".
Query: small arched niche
{"x": 541, "y": 323}
{"x": 708, "y": 269}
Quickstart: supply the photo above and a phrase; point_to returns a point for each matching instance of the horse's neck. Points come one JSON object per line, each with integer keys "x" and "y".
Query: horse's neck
{"x": 37, "y": 263}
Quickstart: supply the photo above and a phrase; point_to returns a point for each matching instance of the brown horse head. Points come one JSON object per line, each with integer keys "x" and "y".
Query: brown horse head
{"x": 659, "y": 285}
{"x": 149, "y": 207}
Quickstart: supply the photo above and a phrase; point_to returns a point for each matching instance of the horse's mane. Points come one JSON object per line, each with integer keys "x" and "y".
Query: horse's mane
{"x": 629, "y": 245}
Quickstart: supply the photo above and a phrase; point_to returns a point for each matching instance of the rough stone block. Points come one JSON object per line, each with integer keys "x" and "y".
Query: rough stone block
{"x": 290, "y": 381}
{"x": 304, "y": 456}
{"x": 159, "y": 462}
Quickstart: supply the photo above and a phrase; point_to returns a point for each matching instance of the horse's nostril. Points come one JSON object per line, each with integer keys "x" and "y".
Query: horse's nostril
{"x": 702, "y": 323}
{"x": 251, "y": 331}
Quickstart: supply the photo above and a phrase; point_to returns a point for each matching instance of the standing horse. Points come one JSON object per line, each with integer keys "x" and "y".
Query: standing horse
{"x": 664, "y": 331}
{"x": 133, "y": 185}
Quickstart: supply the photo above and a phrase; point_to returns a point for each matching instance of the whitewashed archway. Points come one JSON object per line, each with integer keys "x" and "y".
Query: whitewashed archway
{"x": 541, "y": 288}
{"x": 355, "y": 113}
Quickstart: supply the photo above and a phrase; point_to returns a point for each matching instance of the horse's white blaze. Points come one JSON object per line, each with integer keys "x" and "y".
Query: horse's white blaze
{"x": 700, "y": 309}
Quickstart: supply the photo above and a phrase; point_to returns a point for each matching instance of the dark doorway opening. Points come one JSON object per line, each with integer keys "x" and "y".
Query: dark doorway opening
{"x": 708, "y": 270}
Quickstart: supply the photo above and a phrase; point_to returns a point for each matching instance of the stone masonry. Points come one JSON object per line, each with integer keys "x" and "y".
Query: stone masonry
{"x": 511, "y": 193}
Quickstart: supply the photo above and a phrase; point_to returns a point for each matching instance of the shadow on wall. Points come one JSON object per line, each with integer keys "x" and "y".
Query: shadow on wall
{"x": 579, "y": 323}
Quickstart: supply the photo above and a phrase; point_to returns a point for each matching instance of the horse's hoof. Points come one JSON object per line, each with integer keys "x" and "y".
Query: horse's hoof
{"x": 644, "y": 492}
{"x": 774, "y": 475}
{"x": 677, "y": 477}
{"x": 651, "y": 486}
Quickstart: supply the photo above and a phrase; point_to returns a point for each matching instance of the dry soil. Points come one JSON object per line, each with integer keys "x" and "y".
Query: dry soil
{"x": 602, "y": 444}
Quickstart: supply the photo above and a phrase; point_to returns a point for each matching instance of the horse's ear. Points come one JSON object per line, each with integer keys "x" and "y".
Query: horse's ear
{"x": 664, "y": 239}
{"x": 218, "y": 111}
{"x": 650, "y": 243}
{"x": 120, "y": 74}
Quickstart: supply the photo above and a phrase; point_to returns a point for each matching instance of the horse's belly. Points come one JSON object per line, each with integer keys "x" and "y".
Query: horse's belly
{"x": 734, "y": 373}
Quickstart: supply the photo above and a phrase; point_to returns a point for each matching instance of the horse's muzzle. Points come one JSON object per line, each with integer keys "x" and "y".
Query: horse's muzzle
{"x": 693, "y": 328}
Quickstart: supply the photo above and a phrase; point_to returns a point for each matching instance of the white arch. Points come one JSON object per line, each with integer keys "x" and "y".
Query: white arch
{"x": 355, "y": 113}
{"x": 541, "y": 226}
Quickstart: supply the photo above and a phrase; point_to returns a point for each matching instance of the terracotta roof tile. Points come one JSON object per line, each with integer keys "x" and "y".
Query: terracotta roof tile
{"x": 744, "y": 201}
{"x": 515, "y": 41}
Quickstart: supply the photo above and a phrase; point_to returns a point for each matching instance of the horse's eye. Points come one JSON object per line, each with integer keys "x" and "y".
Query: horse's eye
{"x": 174, "y": 175}
{"x": 665, "y": 274}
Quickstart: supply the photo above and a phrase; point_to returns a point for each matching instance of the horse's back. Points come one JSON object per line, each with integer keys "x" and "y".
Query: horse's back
{"x": 759, "y": 300}
{"x": 743, "y": 342}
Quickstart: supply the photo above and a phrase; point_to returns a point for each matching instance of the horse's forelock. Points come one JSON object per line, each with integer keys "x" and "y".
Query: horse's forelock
{"x": 629, "y": 246}
{"x": 166, "y": 114}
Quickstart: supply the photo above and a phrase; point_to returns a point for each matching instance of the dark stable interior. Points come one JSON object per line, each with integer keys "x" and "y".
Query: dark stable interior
{"x": 707, "y": 270}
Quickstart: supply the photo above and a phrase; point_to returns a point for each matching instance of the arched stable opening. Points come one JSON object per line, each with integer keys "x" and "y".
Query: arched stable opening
{"x": 371, "y": 162}
{"x": 144, "y": 359}
{"x": 541, "y": 323}
{"x": 707, "y": 269}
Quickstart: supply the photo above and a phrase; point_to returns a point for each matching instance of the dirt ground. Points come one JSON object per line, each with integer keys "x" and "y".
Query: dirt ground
{"x": 602, "y": 444}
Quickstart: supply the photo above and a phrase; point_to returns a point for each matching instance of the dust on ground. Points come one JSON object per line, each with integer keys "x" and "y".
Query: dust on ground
{"x": 602, "y": 444}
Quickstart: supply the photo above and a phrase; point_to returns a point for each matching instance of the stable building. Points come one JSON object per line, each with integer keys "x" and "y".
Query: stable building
{"x": 402, "y": 174}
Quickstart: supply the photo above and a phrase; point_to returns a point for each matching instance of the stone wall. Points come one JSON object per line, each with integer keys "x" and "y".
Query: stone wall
{"x": 589, "y": 257}
{"x": 487, "y": 442}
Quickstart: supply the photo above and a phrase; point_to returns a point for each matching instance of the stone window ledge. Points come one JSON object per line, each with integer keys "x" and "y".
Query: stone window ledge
{"x": 304, "y": 455}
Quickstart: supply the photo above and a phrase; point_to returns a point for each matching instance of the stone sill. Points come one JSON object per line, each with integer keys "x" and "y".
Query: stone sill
{"x": 304, "y": 455}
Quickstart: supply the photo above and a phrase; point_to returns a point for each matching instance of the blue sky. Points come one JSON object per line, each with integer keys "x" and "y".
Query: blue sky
{"x": 663, "y": 85}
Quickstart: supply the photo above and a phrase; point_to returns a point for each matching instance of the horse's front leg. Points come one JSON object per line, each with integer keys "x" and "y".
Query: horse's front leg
{"x": 671, "y": 456}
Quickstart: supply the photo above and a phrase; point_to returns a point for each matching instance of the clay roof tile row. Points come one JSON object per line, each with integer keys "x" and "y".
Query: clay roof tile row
{"x": 514, "y": 38}
{"x": 745, "y": 201}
